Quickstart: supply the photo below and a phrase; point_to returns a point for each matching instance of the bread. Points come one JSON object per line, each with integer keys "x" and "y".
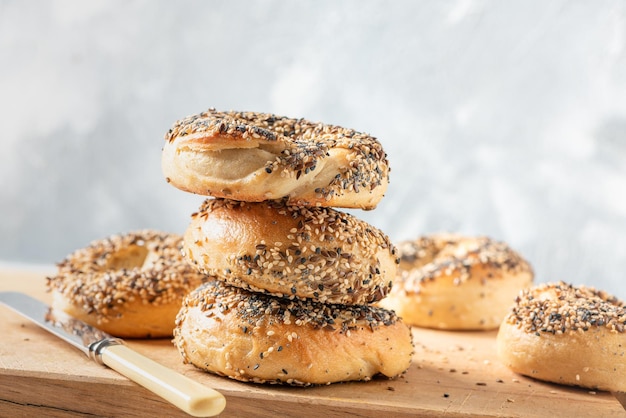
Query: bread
{"x": 291, "y": 251}
{"x": 259, "y": 338}
{"x": 253, "y": 157}
{"x": 455, "y": 282}
{"x": 570, "y": 335}
{"x": 129, "y": 285}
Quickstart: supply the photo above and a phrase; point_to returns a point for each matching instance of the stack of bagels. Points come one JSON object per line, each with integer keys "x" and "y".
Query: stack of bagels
{"x": 293, "y": 283}
{"x": 271, "y": 284}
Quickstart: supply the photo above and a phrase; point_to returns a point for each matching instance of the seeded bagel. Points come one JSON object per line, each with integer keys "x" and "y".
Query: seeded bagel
{"x": 252, "y": 157}
{"x": 450, "y": 281}
{"x": 566, "y": 334}
{"x": 291, "y": 251}
{"x": 258, "y": 338}
{"x": 129, "y": 285}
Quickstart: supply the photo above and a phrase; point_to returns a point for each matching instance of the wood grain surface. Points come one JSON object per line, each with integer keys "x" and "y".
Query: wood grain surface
{"x": 455, "y": 374}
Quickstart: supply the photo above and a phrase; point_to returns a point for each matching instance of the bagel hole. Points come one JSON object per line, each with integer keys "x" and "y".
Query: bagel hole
{"x": 131, "y": 257}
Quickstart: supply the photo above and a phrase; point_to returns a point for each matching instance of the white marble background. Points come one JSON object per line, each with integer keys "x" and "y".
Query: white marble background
{"x": 500, "y": 118}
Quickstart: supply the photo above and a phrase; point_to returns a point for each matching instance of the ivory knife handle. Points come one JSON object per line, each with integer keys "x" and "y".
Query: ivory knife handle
{"x": 190, "y": 396}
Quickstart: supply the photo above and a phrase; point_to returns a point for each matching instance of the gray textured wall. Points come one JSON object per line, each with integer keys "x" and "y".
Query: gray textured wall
{"x": 499, "y": 118}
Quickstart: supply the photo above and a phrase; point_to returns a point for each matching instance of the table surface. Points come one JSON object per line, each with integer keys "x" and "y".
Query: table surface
{"x": 453, "y": 373}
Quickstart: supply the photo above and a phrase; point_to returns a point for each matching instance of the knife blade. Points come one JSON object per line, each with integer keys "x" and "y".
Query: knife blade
{"x": 190, "y": 396}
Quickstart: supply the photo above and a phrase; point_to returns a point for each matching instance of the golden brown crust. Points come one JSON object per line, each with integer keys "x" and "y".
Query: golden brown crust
{"x": 571, "y": 335}
{"x": 450, "y": 281}
{"x": 291, "y": 251}
{"x": 258, "y": 338}
{"x": 250, "y": 156}
{"x": 129, "y": 285}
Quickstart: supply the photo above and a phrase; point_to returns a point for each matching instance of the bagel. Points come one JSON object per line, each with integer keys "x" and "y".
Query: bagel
{"x": 254, "y": 337}
{"x": 253, "y": 157}
{"x": 454, "y": 282}
{"x": 571, "y": 335}
{"x": 291, "y": 251}
{"x": 129, "y": 285}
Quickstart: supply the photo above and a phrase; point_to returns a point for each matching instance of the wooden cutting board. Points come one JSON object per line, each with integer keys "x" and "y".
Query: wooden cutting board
{"x": 455, "y": 374}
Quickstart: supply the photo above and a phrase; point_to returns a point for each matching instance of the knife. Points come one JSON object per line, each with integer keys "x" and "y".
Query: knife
{"x": 188, "y": 395}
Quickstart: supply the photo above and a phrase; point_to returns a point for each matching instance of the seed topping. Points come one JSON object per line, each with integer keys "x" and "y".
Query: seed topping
{"x": 430, "y": 257}
{"x": 560, "y": 308}
{"x": 141, "y": 265}
{"x": 253, "y": 307}
{"x": 326, "y": 255}
{"x": 303, "y": 145}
